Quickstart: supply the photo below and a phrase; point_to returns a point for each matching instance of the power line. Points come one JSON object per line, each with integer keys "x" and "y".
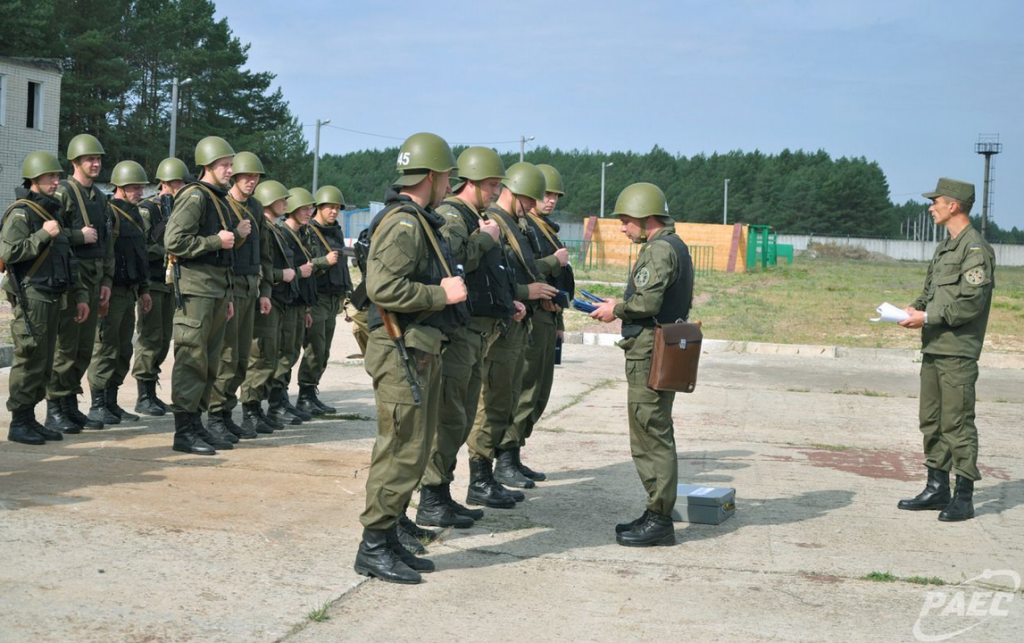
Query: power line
{"x": 402, "y": 138}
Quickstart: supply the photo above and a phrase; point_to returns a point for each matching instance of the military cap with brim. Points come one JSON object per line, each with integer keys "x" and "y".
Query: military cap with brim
{"x": 953, "y": 189}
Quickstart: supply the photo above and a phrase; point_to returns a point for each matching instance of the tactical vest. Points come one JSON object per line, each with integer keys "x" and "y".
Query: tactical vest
{"x": 515, "y": 246}
{"x": 158, "y": 207}
{"x": 284, "y": 259}
{"x": 247, "y": 255}
{"x": 491, "y": 287}
{"x": 95, "y": 215}
{"x": 336, "y": 281}
{"x": 678, "y": 296}
{"x": 306, "y": 295}
{"x": 449, "y": 318}
{"x": 361, "y": 250}
{"x": 216, "y": 217}
{"x": 549, "y": 242}
{"x": 130, "y": 265}
{"x": 51, "y": 271}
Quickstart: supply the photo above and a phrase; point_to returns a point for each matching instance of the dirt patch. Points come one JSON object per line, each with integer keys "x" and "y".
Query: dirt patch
{"x": 833, "y": 251}
{"x": 879, "y": 464}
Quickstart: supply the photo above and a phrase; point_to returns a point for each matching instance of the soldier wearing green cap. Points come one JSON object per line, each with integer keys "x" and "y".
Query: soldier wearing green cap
{"x": 411, "y": 280}
{"x": 952, "y": 313}
{"x": 502, "y": 373}
{"x": 251, "y": 297}
{"x": 296, "y": 317}
{"x": 155, "y": 328}
{"x": 660, "y": 291}
{"x": 200, "y": 238}
{"x": 113, "y": 352}
{"x": 279, "y": 271}
{"x": 85, "y": 213}
{"x": 548, "y": 327}
{"x": 39, "y": 269}
{"x": 491, "y": 297}
{"x": 326, "y": 241}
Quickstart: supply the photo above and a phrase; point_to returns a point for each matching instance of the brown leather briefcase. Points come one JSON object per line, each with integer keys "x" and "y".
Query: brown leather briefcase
{"x": 676, "y": 354}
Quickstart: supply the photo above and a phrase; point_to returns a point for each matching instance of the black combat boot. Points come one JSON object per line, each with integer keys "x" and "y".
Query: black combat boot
{"x": 506, "y": 472}
{"x": 272, "y": 423}
{"x": 216, "y": 426}
{"x": 434, "y": 510}
{"x": 653, "y": 530}
{"x": 935, "y": 495}
{"x": 473, "y": 514}
{"x": 57, "y": 419}
{"x": 21, "y": 428}
{"x": 626, "y": 526}
{"x": 415, "y": 563}
{"x": 962, "y": 505}
{"x": 216, "y": 440}
{"x": 185, "y": 438}
{"x": 484, "y": 489}
{"x": 99, "y": 412}
{"x": 292, "y": 409}
{"x": 147, "y": 404}
{"x": 536, "y": 476}
{"x": 252, "y": 419}
{"x": 114, "y": 408}
{"x": 326, "y": 408}
{"x": 70, "y": 403}
{"x": 278, "y": 413}
{"x": 238, "y": 431}
{"x": 307, "y": 402}
{"x": 414, "y": 538}
{"x": 152, "y": 394}
{"x": 48, "y": 434}
{"x": 376, "y": 558}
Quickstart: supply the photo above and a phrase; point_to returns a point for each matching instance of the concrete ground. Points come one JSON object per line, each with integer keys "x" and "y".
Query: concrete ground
{"x": 111, "y": 536}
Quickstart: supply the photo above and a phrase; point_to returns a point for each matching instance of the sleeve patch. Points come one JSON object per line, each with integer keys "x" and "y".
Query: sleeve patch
{"x": 975, "y": 276}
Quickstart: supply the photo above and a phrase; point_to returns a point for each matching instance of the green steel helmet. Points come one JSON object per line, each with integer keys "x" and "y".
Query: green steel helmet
{"x": 84, "y": 145}
{"x": 552, "y": 179}
{"x": 479, "y": 163}
{"x": 641, "y": 200}
{"x": 524, "y": 179}
{"x": 298, "y": 197}
{"x": 329, "y": 194}
{"x": 422, "y": 153}
{"x": 267, "y": 192}
{"x": 171, "y": 169}
{"x": 37, "y": 164}
{"x": 128, "y": 173}
{"x": 210, "y": 149}
{"x": 247, "y": 163}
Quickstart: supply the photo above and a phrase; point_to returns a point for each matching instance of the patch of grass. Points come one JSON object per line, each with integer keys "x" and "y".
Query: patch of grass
{"x": 865, "y": 392}
{"x": 886, "y": 577}
{"x": 829, "y": 447}
{"x": 347, "y": 416}
{"x": 579, "y": 397}
{"x": 320, "y": 614}
{"x": 798, "y": 390}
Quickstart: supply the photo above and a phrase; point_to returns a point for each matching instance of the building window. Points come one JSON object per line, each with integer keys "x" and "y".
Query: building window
{"x": 34, "y": 113}
{"x": 3, "y": 100}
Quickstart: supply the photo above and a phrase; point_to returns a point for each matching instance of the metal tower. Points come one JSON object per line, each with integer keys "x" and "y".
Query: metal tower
{"x": 989, "y": 145}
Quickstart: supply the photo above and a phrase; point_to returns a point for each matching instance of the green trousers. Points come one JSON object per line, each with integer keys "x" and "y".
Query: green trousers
{"x": 198, "y": 336}
{"x": 33, "y": 353}
{"x": 501, "y": 375}
{"x": 947, "y": 414}
{"x": 318, "y": 338}
{"x": 538, "y": 377}
{"x": 359, "y": 329}
{"x": 112, "y": 354}
{"x": 461, "y": 370}
{"x": 75, "y": 341}
{"x": 234, "y": 355}
{"x": 154, "y": 336}
{"x": 289, "y": 345}
{"x": 263, "y": 356}
{"x": 652, "y": 439}
{"x": 404, "y": 430}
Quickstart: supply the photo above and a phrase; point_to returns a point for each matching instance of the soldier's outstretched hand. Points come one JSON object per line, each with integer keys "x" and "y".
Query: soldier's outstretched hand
{"x": 605, "y": 311}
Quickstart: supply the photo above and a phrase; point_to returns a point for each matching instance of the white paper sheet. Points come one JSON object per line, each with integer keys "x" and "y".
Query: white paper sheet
{"x": 889, "y": 313}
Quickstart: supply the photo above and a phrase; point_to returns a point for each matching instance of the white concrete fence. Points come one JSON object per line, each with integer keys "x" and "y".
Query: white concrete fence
{"x": 1006, "y": 255}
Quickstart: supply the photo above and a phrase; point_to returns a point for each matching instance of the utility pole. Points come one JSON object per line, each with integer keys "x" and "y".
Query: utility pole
{"x": 725, "y": 204}
{"x": 522, "y": 146}
{"x": 603, "y": 166}
{"x": 989, "y": 145}
{"x": 316, "y": 152}
{"x": 174, "y": 111}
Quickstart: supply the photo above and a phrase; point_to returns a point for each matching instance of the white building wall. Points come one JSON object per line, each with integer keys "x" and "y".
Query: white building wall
{"x": 17, "y": 140}
{"x": 1006, "y": 255}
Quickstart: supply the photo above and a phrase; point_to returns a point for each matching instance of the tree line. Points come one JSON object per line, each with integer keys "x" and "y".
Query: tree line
{"x": 120, "y": 57}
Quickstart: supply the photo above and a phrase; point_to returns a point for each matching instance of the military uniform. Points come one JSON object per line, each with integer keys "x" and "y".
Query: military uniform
{"x": 333, "y": 283}
{"x": 113, "y": 350}
{"x": 155, "y": 328}
{"x": 45, "y": 270}
{"x": 293, "y": 317}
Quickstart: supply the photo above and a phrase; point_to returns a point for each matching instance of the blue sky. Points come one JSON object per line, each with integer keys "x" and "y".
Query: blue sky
{"x": 909, "y": 84}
